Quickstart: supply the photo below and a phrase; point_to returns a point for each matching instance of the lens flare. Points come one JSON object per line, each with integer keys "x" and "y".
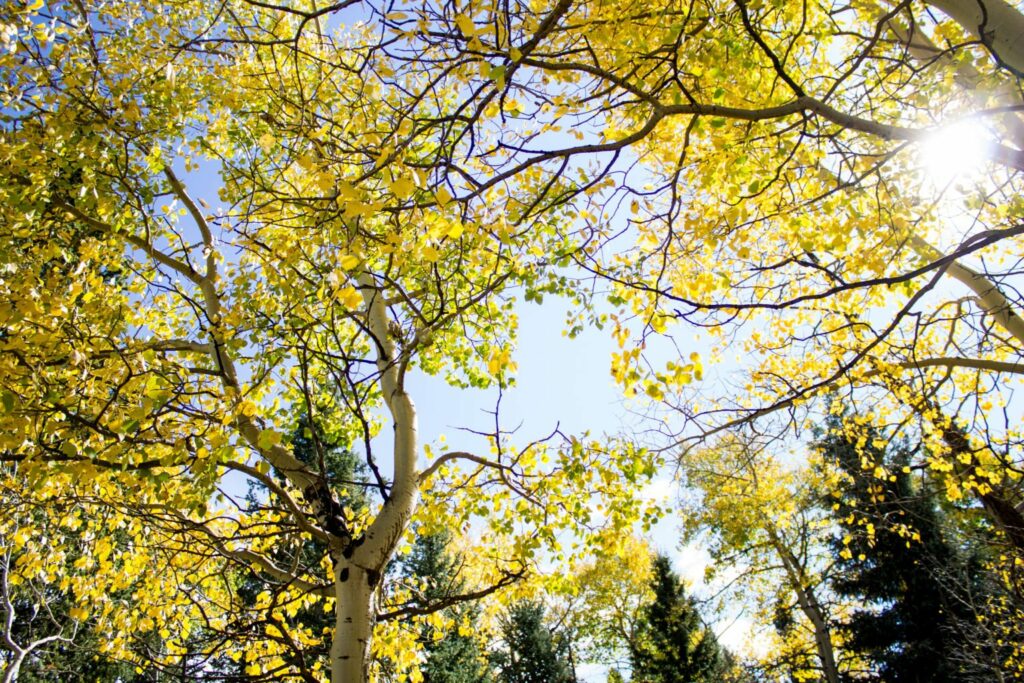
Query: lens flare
{"x": 954, "y": 152}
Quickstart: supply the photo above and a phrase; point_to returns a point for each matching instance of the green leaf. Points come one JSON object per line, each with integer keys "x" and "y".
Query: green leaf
{"x": 497, "y": 74}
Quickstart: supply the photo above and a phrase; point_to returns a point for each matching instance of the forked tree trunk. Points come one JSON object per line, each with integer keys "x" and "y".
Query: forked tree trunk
{"x": 10, "y": 674}
{"x": 359, "y": 565}
{"x": 357, "y": 578}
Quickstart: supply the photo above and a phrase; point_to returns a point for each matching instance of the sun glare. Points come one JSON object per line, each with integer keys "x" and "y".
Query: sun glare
{"x": 954, "y": 151}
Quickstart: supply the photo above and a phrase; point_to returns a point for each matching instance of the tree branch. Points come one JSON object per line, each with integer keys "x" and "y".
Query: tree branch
{"x": 507, "y": 579}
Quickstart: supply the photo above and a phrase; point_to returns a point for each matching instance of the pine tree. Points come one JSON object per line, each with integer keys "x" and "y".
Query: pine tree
{"x": 311, "y": 447}
{"x": 532, "y": 654}
{"x": 338, "y": 463}
{"x": 673, "y": 645}
{"x": 455, "y": 656}
{"x": 892, "y": 554}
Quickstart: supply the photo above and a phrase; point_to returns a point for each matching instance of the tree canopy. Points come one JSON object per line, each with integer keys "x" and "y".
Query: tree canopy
{"x": 229, "y": 223}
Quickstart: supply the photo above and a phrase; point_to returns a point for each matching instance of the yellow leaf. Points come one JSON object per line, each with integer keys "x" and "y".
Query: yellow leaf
{"x": 443, "y": 196}
{"x": 465, "y": 25}
{"x": 347, "y": 190}
{"x": 357, "y": 210}
{"x": 324, "y": 181}
{"x": 349, "y": 298}
{"x": 268, "y": 438}
{"x": 499, "y": 361}
{"x": 132, "y": 113}
{"x": 403, "y": 187}
{"x": 430, "y": 254}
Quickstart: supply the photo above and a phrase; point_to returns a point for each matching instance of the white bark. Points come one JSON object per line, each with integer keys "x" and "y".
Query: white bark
{"x": 11, "y": 673}
{"x": 1004, "y": 31}
{"x": 353, "y": 630}
{"x": 989, "y": 296}
{"x": 359, "y": 563}
{"x": 966, "y": 76}
{"x": 994, "y": 22}
{"x": 359, "y": 567}
{"x": 991, "y": 299}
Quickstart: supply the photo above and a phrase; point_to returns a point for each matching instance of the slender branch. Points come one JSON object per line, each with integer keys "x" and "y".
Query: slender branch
{"x": 973, "y": 363}
{"x": 458, "y": 455}
{"x": 249, "y": 556}
{"x": 986, "y": 290}
{"x": 323, "y": 590}
{"x": 950, "y": 362}
{"x": 297, "y": 514}
{"x": 507, "y": 579}
{"x": 276, "y": 455}
{"x": 177, "y": 345}
{"x": 200, "y": 221}
{"x": 780, "y": 69}
{"x": 157, "y": 255}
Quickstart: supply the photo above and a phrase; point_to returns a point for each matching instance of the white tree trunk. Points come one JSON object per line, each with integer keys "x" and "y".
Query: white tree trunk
{"x": 358, "y": 576}
{"x": 353, "y": 634}
{"x": 924, "y": 51}
{"x": 11, "y": 673}
{"x": 994, "y": 22}
{"x": 359, "y": 567}
{"x": 991, "y": 299}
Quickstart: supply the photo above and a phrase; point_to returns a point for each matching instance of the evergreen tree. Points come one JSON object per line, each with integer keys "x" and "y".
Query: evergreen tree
{"x": 455, "y": 656}
{"x": 79, "y": 659}
{"x": 673, "y": 646}
{"x": 339, "y": 465}
{"x": 892, "y": 554}
{"x": 532, "y": 654}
